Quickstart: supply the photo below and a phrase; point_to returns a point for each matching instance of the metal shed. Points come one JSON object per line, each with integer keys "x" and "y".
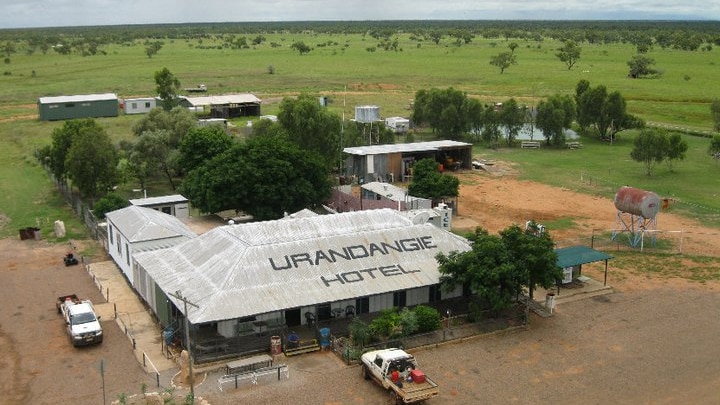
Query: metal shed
{"x": 78, "y": 106}
{"x": 225, "y": 106}
{"x": 139, "y": 105}
{"x": 393, "y": 162}
{"x": 571, "y": 259}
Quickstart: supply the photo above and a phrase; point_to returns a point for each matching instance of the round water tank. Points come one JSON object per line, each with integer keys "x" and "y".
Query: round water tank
{"x": 367, "y": 113}
{"x": 637, "y": 202}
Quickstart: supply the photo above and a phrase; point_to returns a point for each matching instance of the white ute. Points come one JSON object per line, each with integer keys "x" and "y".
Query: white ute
{"x": 412, "y": 385}
{"x": 83, "y": 326}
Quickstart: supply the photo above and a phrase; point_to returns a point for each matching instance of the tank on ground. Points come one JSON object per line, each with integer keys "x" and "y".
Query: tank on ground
{"x": 637, "y": 202}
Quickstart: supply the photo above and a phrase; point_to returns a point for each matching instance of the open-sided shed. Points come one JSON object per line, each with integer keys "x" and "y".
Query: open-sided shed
{"x": 225, "y": 106}
{"x": 572, "y": 258}
{"x": 394, "y": 162}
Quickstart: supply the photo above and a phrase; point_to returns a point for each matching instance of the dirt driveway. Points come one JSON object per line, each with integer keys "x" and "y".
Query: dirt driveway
{"x": 654, "y": 341}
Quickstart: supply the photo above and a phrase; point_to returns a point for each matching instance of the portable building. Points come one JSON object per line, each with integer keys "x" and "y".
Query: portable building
{"x": 176, "y": 205}
{"x": 399, "y": 125}
{"x": 137, "y": 229}
{"x": 78, "y": 106}
{"x": 139, "y": 105}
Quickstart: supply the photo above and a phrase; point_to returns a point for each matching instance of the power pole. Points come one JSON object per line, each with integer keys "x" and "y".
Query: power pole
{"x": 186, "y": 302}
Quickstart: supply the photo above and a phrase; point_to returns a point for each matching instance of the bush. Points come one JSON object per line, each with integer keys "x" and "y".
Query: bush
{"x": 359, "y": 332}
{"x": 110, "y": 202}
{"x": 408, "y": 321}
{"x": 387, "y": 325}
{"x": 428, "y": 318}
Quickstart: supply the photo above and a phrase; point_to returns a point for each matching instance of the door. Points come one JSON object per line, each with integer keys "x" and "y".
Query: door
{"x": 292, "y": 317}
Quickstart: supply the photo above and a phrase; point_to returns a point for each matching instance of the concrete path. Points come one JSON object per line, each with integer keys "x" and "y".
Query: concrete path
{"x": 132, "y": 317}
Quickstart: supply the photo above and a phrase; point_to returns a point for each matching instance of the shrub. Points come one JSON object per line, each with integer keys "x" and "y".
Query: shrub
{"x": 359, "y": 332}
{"x": 408, "y": 321}
{"x": 428, "y": 318}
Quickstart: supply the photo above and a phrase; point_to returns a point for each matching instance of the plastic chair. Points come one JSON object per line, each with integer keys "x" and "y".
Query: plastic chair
{"x": 350, "y": 310}
{"x": 309, "y": 318}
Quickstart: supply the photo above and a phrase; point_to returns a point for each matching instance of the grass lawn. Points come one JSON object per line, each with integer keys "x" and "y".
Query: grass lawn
{"x": 342, "y": 67}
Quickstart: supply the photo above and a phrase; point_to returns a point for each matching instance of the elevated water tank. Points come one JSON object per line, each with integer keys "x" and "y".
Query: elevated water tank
{"x": 367, "y": 113}
{"x": 638, "y": 202}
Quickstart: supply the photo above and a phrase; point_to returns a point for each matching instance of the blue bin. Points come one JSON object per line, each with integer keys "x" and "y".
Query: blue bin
{"x": 168, "y": 335}
{"x": 325, "y": 337}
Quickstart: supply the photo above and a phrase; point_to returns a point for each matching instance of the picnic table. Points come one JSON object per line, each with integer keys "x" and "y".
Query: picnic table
{"x": 249, "y": 364}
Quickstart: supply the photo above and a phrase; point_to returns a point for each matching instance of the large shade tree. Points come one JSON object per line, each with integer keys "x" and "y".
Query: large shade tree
{"x": 429, "y": 182}
{"x": 264, "y": 177}
{"x": 554, "y": 115}
{"x": 312, "y": 127}
{"x": 92, "y": 161}
{"x": 447, "y": 111}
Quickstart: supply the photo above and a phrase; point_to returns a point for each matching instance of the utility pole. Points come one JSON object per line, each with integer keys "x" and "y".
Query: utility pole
{"x": 186, "y": 302}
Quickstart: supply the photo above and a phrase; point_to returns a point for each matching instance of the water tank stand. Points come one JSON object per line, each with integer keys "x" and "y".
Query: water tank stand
{"x": 635, "y": 227}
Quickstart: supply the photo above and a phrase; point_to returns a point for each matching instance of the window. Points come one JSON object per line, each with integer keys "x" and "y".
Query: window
{"x": 133, "y": 106}
{"x": 147, "y": 104}
{"x": 118, "y": 243}
{"x": 167, "y": 210}
{"x": 69, "y": 105}
{"x": 110, "y": 234}
{"x": 127, "y": 254}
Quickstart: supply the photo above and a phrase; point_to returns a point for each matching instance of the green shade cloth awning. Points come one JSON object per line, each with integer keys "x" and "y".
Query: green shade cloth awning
{"x": 577, "y": 255}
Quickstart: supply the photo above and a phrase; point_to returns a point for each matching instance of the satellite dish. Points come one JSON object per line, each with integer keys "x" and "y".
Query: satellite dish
{"x": 420, "y": 218}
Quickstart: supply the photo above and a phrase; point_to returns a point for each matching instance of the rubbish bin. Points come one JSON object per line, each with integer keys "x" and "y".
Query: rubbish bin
{"x": 168, "y": 335}
{"x": 550, "y": 301}
{"x": 275, "y": 345}
{"x": 325, "y": 337}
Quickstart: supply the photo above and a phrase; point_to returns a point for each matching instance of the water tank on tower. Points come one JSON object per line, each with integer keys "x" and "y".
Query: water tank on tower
{"x": 367, "y": 113}
{"x": 638, "y": 202}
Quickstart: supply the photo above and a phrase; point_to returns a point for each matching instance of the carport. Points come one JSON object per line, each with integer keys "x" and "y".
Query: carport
{"x": 571, "y": 259}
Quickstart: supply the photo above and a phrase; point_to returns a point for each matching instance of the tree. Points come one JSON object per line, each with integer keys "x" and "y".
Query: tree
{"x": 512, "y": 117}
{"x": 677, "y": 147}
{"x": 641, "y": 65}
{"x": 110, "y": 202}
{"x": 491, "y": 125}
{"x": 503, "y": 60}
{"x": 177, "y": 122}
{"x": 447, "y": 111}
{"x": 715, "y": 112}
{"x": 583, "y": 119}
{"x": 202, "y": 144}
{"x": 513, "y": 46}
{"x": 498, "y": 267}
{"x": 428, "y": 182}
{"x": 264, "y": 176}
{"x": 301, "y": 47}
{"x": 153, "y": 149}
{"x": 62, "y": 139}
{"x": 533, "y": 252}
{"x": 152, "y": 48}
{"x": 607, "y": 112}
{"x": 312, "y": 127}
{"x": 167, "y": 86}
{"x": 486, "y": 271}
{"x": 650, "y": 147}
{"x": 554, "y": 115}
{"x": 91, "y": 161}
{"x": 569, "y": 53}
{"x": 714, "y": 147}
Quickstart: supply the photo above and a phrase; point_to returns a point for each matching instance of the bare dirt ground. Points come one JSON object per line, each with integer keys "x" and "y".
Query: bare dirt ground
{"x": 653, "y": 341}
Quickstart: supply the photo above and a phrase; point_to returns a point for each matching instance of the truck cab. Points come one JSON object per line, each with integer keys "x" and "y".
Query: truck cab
{"x": 83, "y": 326}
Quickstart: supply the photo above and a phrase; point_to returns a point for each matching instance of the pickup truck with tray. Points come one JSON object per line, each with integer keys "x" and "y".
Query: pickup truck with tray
{"x": 411, "y": 384}
{"x": 83, "y": 326}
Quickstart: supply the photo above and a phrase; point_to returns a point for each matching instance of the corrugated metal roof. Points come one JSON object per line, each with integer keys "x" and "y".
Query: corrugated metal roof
{"x": 576, "y": 255}
{"x": 403, "y": 147}
{"x": 389, "y": 191}
{"x": 243, "y": 270}
{"x": 145, "y": 224}
{"x": 224, "y": 99}
{"x": 78, "y": 98}
{"x": 165, "y": 199}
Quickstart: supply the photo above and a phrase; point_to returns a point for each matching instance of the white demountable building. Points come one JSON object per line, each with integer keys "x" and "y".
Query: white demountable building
{"x": 399, "y": 125}
{"x": 138, "y": 229}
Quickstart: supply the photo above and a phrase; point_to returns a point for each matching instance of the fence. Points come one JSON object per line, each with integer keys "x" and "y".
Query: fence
{"x": 254, "y": 377}
{"x": 454, "y": 328}
{"x": 650, "y": 241}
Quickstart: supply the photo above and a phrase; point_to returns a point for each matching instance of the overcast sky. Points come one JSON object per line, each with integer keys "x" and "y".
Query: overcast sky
{"x": 52, "y": 13}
